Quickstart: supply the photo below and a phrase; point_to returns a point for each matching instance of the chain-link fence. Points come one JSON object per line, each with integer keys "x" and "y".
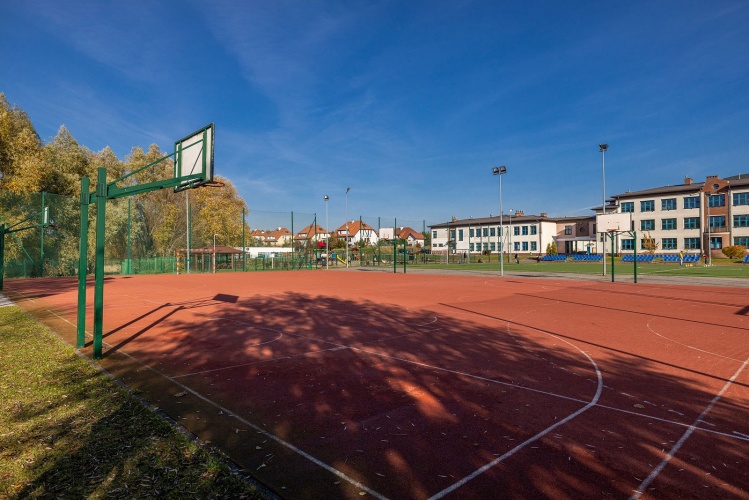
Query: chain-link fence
{"x": 138, "y": 241}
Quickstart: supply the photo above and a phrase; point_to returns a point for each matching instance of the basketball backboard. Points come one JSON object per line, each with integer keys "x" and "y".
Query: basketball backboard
{"x": 613, "y": 222}
{"x": 193, "y": 159}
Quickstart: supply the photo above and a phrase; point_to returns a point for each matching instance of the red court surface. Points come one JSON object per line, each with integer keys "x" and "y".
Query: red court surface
{"x": 348, "y": 384}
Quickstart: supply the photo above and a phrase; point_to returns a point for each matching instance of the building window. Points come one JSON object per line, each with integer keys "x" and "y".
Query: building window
{"x": 460, "y": 235}
{"x": 470, "y": 247}
{"x": 716, "y": 242}
{"x": 741, "y": 198}
{"x": 493, "y": 231}
{"x": 516, "y": 245}
{"x": 486, "y": 246}
{"x": 741, "y": 240}
{"x": 533, "y": 246}
{"x": 692, "y": 202}
{"x": 452, "y": 234}
{"x": 516, "y": 230}
{"x": 668, "y": 224}
{"x": 568, "y": 230}
{"x": 493, "y": 246}
{"x": 717, "y": 221}
{"x": 525, "y": 246}
{"x": 628, "y": 206}
{"x": 628, "y": 244}
{"x": 486, "y": 233}
{"x": 717, "y": 200}
{"x": 525, "y": 230}
{"x": 647, "y": 206}
{"x": 470, "y": 233}
{"x": 691, "y": 222}
{"x": 533, "y": 229}
{"x": 692, "y": 243}
{"x": 741, "y": 221}
{"x": 647, "y": 224}
{"x": 669, "y": 244}
{"x": 668, "y": 204}
{"x": 434, "y": 234}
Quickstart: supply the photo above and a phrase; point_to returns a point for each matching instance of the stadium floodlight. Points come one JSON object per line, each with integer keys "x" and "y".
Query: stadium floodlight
{"x": 500, "y": 171}
{"x": 327, "y": 230}
{"x": 602, "y": 148}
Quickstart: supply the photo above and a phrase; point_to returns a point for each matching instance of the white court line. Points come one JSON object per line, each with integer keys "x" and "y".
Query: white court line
{"x": 265, "y": 433}
{"x": 689, "y": 346}
{"x": 654, "y": 473}
{"x": 535, "y": 438}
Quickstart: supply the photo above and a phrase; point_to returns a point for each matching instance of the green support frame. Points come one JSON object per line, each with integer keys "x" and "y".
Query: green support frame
{"x": 102, "y": 192}
{"x": 14, "y": 229}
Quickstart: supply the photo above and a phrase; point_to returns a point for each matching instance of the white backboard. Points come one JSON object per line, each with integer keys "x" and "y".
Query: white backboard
{"x": 613, "y": 222}
{"x": 193, "y": 158}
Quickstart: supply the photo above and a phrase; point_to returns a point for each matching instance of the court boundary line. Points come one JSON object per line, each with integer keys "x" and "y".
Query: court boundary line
{"x": 675, "y": 449}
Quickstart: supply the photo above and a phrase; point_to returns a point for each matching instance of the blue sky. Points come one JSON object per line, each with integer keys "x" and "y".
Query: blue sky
{"x": 410, "y": 104}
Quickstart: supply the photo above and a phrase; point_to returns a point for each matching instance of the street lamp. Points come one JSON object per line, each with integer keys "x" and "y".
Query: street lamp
{"x": 602, "y": 149}
{"x": 500, "y": 171}
{"x": 214, "y": 254}
{"x": 327, "y": 236}
{"x": 347, "y": 234}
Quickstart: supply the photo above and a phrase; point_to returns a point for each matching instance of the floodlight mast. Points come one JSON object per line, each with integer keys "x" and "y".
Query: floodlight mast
{"x": 327, "y": 233}
{"x": 500, "y": 171}
{"x": 602, "y": 149}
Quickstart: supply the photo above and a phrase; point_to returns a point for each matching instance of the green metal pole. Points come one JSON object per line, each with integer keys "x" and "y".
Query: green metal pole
{"x": 612, "y": 256}
{"x": 405, "y": 256}
{"x": 128, "y": 236}
{"x": 395, "y": 255}
{"x": 82, "y": 264}
{"x": 292, "y": 240}
{"x": 101, "y": 210}
{"x": 244, "y": 255}
{"x": 2, "y": 254}
{"x": 634, "y": 235}
{"x": 41, "y": 241}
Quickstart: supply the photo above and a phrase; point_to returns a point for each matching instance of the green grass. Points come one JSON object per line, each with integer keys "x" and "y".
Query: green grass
{"x": 721, "y": 268}
{"x": 67, "y": 430}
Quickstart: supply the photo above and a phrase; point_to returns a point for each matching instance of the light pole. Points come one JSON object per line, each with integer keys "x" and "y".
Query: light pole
{"x": 327, "y": 231}
{"x": 347, "y": 235}
{"x": 500, "y": 171}
{"x": 709, "y": 245}
{"x": 214, "y": 254}
{"x": 603, "y": 148}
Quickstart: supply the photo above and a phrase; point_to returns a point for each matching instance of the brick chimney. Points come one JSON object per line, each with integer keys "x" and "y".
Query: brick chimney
{"x": 687, "y": 181}
{"x": 544, "y": 214}
{"x": 519, "y": 213}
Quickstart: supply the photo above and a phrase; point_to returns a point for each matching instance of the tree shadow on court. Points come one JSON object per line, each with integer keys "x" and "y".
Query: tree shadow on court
{"x": 410, "y": 402}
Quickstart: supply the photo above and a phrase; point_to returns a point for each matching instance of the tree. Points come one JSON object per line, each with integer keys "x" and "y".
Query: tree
{"x": 20, "y": 149}
{"x": 551, "y": 248}
{"x": 649, "y": 243}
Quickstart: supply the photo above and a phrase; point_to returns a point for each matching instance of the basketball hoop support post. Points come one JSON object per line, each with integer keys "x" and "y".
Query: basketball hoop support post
{"x": 103, "y": 191}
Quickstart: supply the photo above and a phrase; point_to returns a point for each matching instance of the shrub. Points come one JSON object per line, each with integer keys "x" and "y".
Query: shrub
{"x": 734, "y": 251}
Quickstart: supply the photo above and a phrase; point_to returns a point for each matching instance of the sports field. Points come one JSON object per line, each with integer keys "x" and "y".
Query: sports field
{"x": 345, "y": 384}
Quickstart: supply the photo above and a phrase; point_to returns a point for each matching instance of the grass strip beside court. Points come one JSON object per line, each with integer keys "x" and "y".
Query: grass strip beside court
{"x": 67, "y": 430}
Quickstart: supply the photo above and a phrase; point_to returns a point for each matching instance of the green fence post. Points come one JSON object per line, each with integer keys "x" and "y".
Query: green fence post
{"x": 612, "y": 257}
{"x": 292, "y": 241}
{"x": 41, "y": 241}
{"x": 128, "y": 237}
{"x": 101, "y": 210}
{"x": 82, "y": 264}
{"x": 405, "y": 256}
{"x": 634, "y": 236}
{"x": 244, "y": 254}
{"x": 2, "y": 254}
